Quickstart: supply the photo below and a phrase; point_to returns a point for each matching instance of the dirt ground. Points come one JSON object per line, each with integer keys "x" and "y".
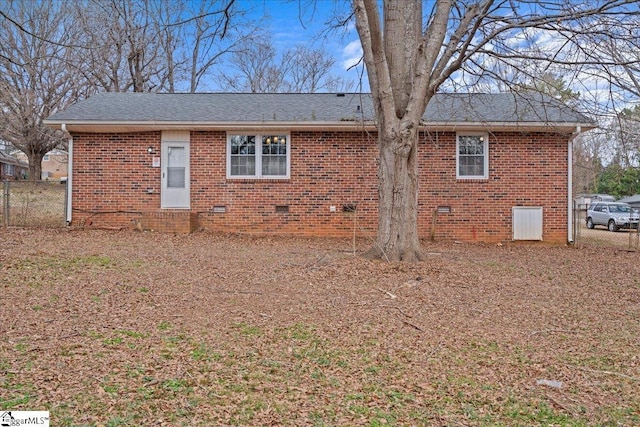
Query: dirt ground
{"x": 106, "y": 328}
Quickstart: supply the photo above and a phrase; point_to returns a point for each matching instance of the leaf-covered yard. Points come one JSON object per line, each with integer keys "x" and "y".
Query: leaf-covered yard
{"x": 107, "y": 328}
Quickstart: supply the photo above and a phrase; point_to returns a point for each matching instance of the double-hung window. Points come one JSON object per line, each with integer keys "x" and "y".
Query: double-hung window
{"x": 259, "y": 156}
{"x": 472, "y": 156}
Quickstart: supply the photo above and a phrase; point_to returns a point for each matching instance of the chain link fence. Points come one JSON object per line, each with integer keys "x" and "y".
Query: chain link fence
{"x": 33, "y": 204}
{"x": 623, "y": 239}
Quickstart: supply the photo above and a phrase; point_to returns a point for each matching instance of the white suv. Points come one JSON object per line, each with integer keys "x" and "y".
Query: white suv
{"x": 613, "y": 215}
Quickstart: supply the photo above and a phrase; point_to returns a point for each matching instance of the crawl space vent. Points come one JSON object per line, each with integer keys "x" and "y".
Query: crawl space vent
{"x": 527, "y": 223}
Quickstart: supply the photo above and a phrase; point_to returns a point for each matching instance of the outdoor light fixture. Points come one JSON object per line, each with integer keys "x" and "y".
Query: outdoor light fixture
{"x": 150, "y": 150}
{"x": 275, "y": 140}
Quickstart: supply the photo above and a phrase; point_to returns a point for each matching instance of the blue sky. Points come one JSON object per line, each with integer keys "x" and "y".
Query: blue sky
{"x": 293, "y": 22}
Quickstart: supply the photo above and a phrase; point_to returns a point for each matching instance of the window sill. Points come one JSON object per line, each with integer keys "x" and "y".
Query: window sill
{"x": 472, "y": 180}
{"x": 241, "y": 180}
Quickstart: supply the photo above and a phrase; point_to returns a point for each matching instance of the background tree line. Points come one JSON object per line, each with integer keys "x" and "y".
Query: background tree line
{"x": 607, "y": 160}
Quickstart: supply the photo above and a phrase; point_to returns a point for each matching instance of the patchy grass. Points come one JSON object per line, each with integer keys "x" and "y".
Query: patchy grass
{"x": 131, "y": 329}
{"x": 36, "y": 204}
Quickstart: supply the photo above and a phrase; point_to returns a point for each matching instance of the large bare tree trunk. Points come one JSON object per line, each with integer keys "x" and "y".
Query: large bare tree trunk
{"x": 35, "y": 166}
{"x": 397, "y": 238}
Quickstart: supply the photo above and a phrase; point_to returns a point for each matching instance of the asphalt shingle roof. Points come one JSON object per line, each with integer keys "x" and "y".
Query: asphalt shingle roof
{"x": 631, "y": 199}
{"x": 317, "y": 107}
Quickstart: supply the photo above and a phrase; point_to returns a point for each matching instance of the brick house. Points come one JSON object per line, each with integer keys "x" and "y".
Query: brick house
{"x": 12, "y": 168}
{"x": 493, "y": 167}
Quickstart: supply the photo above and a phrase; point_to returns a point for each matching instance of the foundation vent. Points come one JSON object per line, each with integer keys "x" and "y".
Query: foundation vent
{"x": 527, "y": 222}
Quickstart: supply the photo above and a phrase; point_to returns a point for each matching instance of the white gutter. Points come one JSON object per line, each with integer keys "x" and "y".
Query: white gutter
{"x": 570, "y": 236}
{"x": 63, "y": 126}
{"x": 345, "y": 125}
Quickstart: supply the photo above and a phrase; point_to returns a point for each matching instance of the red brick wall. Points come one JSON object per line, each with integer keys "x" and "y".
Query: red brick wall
{"x": 112, "y": 174}
{"x": 114, "y": 183}
{"x": 524, "y": 170}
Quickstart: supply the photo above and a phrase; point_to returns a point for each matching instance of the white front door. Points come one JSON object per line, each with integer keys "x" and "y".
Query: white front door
{"x": 175, "y": 175}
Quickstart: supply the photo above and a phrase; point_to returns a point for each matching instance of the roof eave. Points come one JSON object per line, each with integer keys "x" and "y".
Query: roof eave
{"x": 101, "y": 126}
{"x": 563, "y": 127}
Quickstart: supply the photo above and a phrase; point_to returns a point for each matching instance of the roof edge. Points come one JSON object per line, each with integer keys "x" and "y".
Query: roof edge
{"x": 98, "y": 126}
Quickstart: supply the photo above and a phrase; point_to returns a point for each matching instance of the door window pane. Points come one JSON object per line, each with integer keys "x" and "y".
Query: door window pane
{"x": 175, "y": 167}
{"x": 175, "y": 177}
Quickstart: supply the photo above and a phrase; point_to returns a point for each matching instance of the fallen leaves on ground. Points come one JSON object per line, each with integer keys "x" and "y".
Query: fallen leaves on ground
{"x": 126, "y": 328}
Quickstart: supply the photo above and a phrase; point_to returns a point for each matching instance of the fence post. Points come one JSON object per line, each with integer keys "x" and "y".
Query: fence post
{"x": 576, "y": 223}
{"x": 6, "y": 205}
{"x": 634, "y": 236}
{"x": 574, "y": 230}
{"x": 66, "y": 200}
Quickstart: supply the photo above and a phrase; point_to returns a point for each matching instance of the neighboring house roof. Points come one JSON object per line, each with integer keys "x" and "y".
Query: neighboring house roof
{"x": 597, "y": 197}
{"x": 54, "y": 152}
{"x": 57, "y": 152}
{"x": 144, "y": 111}
{"x": 9, "y": 159}
{"x": 631, "y": 199}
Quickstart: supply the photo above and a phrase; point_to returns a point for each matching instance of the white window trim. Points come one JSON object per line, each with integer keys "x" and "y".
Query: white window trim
{"x": 258, "y": 174}
{"x": 486, "y": 155}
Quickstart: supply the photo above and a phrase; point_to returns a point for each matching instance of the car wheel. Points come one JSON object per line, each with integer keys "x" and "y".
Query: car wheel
{"x": 590, "y": 223}
{"x": 612, "y": 225}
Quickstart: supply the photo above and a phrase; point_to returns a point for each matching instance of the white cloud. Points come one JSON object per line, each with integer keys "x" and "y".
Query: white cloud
{"x": 351, "y": 54}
